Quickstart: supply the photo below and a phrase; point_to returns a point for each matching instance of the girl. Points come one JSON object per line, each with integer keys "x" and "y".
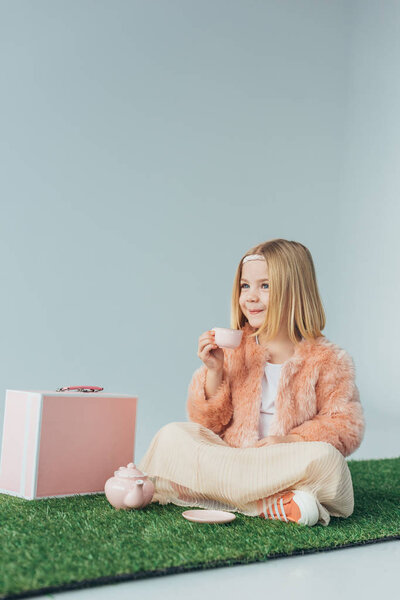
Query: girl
{"x": 272, "y": 420}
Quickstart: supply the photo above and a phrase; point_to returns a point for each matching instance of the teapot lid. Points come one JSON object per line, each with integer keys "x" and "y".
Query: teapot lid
{"x": 130, "y": 471}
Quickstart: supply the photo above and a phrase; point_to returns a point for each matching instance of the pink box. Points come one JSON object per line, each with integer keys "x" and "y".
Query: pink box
{"x": 64, "y": 443}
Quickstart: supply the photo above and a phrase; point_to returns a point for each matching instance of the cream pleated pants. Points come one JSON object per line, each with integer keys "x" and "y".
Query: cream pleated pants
{"x": 191, "y": 465}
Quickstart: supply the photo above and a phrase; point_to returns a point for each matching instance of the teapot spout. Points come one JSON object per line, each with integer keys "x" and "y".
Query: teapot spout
{"x": 134, "y": 498}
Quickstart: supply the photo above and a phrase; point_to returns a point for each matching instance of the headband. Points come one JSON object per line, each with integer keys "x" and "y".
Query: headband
{"x": 253, "y": 257}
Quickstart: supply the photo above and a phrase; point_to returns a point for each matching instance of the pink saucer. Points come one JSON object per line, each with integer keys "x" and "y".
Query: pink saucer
{"x": 208, "y": 516}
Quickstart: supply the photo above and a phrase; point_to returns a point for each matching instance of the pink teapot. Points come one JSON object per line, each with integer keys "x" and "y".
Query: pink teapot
{"x": 129, "y": 488}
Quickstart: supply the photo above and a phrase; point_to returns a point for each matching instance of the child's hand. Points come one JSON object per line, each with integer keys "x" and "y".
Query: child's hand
{"x": 208, "y": 351}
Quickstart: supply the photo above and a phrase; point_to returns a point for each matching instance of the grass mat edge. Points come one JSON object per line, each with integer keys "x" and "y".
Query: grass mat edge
{"x": 110, "y": 579}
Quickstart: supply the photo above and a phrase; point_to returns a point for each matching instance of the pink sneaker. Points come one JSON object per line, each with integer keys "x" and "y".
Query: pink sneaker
{"x": 296, "y": 506}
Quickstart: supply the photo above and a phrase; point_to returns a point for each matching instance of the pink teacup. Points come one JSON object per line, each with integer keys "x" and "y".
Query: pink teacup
{"x": 227, "y": 338}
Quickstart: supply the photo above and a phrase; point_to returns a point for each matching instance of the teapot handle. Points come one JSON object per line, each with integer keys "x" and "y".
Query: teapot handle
{"x": 80, "y": 388}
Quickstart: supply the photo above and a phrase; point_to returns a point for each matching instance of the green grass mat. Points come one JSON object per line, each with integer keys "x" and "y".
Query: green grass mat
{"x": 81, "y": 541}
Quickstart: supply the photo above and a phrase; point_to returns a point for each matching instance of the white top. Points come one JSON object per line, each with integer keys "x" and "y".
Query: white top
{"x": 270, "y": 383}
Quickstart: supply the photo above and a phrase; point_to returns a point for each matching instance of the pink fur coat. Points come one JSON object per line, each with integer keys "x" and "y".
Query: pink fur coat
{"x": 317, "y": 397}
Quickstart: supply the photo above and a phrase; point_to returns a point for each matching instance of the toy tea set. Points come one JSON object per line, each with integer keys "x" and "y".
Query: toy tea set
{"x": 40, "y": 425}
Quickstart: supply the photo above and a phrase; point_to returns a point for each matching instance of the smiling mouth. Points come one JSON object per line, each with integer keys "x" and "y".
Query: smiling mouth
{"x": 254, "y": 312}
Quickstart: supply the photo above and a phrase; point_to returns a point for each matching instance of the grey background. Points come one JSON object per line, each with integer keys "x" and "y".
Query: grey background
{"x": 145, "y": 146}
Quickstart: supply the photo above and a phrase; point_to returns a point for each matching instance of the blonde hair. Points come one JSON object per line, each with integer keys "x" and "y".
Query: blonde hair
{"x": 293, "y": 295}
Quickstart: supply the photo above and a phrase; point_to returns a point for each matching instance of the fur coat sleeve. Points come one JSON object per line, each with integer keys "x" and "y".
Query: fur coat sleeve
{"x": 339, "y": 419}
{"x": 216, "y": 412}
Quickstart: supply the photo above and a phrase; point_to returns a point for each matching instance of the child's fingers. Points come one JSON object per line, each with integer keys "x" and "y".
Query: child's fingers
{"x": 207, "y": 335}
{"x": 205, "y": 350}
{"x": 209, "y": 347}
{"x": 205, "y": 342}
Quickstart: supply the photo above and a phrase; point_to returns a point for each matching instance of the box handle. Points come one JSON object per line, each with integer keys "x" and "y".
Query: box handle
{"x": 80, "y": 388}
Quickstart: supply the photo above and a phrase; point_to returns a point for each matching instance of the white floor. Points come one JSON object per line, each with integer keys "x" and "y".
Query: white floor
{"x": 369, "y": 570}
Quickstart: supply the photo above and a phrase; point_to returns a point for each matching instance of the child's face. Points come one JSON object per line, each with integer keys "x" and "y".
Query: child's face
{"x": 254, "y": 291}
